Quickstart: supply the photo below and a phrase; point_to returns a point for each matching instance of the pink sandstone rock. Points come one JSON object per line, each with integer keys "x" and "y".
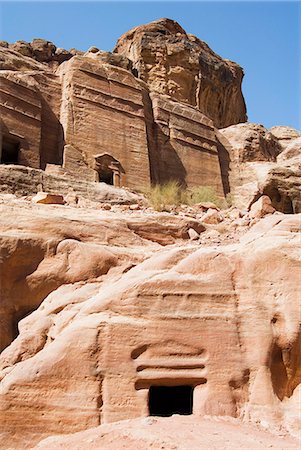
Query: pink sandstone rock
{"x": 219, "y": 320}
{"x": 183, "y": 67}
{"x": 252, "y": 165}
{"x": 212, "y": 216}
{"x": 177, "y": 432}
{"x": 261, "y": 207}
{"x": 111, "y": 312}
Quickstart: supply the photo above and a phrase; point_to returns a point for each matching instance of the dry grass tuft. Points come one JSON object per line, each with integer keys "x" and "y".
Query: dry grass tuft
{"x": 164, "y": 197}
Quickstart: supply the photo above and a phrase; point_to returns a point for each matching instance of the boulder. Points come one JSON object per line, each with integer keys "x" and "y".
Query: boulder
{"x": 22, "y": 47}
{"x": 251, "y": 142}
{"x": 291, "y": 153}
{"x": 212, "y": 216}
{"x": 92, "y": 49}
{"x": 284, "y": 134}
{"x": 193, "y": 235}
{"x": 48, "y": 199}
{"x": 204, "y": 206}
{"x": 109, "y": 58}
{"x": 261, "y": 207}
{"x": 254, "y": 163}
{"x": 42, "y": 50}
{"x": 62, "y": 55}
{"x": 13, "y": 60}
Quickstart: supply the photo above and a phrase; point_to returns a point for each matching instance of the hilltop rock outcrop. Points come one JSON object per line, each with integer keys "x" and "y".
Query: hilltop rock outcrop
{"x": 182, "y": 66}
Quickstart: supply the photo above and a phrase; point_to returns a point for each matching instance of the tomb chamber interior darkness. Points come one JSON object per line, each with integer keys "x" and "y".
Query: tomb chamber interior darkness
{"x": 10, "y": 152}
{"x": 168, "y": 400}
{"x": 106, "y": 177}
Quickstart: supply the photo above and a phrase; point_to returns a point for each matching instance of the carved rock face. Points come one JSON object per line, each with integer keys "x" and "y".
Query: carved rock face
{"x": 178, "y": 64}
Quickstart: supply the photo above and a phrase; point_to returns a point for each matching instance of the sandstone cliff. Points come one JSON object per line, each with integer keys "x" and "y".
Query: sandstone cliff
{"x": 62, "y": 110}
{"x": 110, "y": 311}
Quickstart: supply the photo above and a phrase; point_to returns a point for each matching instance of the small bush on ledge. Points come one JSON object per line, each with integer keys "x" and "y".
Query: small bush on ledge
{"x": 200, "y": 194}
{"x": 163, "y": 196}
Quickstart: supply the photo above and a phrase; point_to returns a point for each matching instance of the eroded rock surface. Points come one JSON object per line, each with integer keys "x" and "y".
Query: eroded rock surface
{"x": 120, "y": 313}
{"x": 59, "y": 110}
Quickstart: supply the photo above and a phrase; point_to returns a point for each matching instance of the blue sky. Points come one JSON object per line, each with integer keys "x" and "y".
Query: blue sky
{"x": 263, "y": 37}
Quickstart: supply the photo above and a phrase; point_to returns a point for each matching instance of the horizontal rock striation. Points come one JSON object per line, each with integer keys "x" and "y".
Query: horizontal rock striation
{"x": 185, "y": 145}
{"x": 111, "y": 311}
{"x": 103, "y": 112}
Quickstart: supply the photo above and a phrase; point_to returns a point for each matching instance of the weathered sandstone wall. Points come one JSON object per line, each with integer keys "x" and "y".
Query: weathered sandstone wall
{"x": 254, "y": 161}
{"x": 21, "y": 119}
{"x": 49, "y": 90}
{"x": 31, "y": 132}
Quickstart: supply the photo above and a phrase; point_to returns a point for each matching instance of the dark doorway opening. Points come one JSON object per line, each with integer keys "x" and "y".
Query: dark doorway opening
{"x": 10, "y": 152}
{"x": 106, "y": 176}
{"x": 168, "y": 400}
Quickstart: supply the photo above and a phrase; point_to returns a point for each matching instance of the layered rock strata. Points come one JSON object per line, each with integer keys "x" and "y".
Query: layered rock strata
{"x": 113, "y": 312}
{"x": 102, "y": 113}
{"x": 185, "y": 144}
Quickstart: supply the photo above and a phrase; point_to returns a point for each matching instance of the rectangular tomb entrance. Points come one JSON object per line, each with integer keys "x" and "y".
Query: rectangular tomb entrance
{"x": 168, "y": 400}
